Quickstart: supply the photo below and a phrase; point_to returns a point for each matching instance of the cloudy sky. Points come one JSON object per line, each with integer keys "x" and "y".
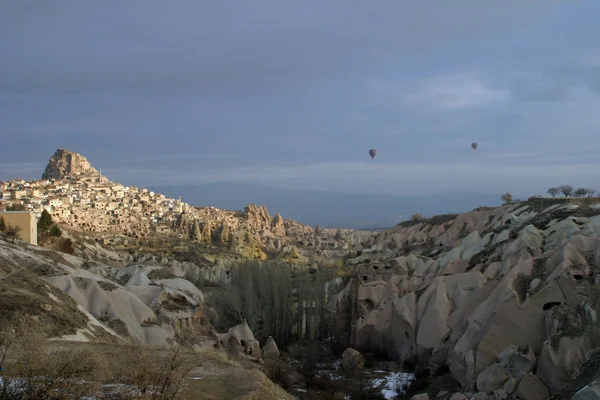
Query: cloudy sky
{"x": 294, "y": 93}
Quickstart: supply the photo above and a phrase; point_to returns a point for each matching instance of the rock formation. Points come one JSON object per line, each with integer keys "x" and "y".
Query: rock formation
{"x": 67, "y": 163}
{"x": 505, "y": 298}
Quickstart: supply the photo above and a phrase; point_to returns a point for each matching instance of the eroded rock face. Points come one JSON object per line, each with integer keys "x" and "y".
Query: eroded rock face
{"x": 518, "y": 360}
{"x": 531, "y": 388}
{"x": 65, "y": 163}
{"x": 240, "y": 340}
{"x": 487, "y": 289}
{"x": 492, "y": 378}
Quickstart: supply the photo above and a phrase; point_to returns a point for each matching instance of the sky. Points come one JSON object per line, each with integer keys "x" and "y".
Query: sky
{"x": 294, "y": 94}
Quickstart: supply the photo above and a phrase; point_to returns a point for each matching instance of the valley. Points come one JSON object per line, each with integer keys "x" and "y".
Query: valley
{"x": 498, "y": 303}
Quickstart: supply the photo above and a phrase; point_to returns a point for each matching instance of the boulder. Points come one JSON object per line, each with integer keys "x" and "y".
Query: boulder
{"x": 458, "y": 396}
{"x": 531, "y": 388}
{"x": 421, "y": 396}
{"x": 270, "y": 349}
{"x": 519, "y": 360}
{"x": 510, "y": 386}
{"x": 352, "y": 360}
{"x": 492, "y": 378}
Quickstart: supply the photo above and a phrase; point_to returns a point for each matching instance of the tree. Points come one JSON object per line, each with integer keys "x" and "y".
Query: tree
{"x": 416, "y": 217}
{"x": 45, "y": 222}
{"x": 2, "y": 225}
{"x": 553, "y": 191}
{"x": 11, "y": 232}
{"x": 55, "y": 231}
{"x": 276, "y": 300}
{"x": 580, "y": 192}
{"x": 590, "y": 192}
{"x": 566, "y": 190}
{"x": 506, "y": 197}
{"x": 16, "y": 207}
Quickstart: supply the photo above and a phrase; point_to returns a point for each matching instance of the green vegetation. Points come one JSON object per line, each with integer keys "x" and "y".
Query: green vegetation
{"x": 45, "y": 222}
{"x": 47, "y": 228}
{"x": 507, "y": 198}
{"x": 16, "y": 207}
{"x": 432, "y": 221}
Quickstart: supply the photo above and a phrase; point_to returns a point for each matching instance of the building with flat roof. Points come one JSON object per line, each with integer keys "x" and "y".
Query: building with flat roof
{"x": 25, "y": 220}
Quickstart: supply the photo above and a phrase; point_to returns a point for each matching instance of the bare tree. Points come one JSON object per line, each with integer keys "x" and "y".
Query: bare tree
{"x": 590, "y": 192}
{"x": 553, "y": 191}
{"x": 507, "y": 198}
{"x": 11, "y": 232}
{"x": 155, "y": 375}
{"x": 566, "y": 190}
{"x": 416, "y": 217}
{"x": 276, "y": 300}
{"x": 579, "y": 192}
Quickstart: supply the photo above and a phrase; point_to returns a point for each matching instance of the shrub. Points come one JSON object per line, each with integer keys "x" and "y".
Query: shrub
{"x": 55, "y": 231}
{"x": 66, "y": 246}
{"x": 507, "y": 198}
{"x": 34, "y": 370}
{"x": 12, "y": 232}
{"x": 416, "y": 217}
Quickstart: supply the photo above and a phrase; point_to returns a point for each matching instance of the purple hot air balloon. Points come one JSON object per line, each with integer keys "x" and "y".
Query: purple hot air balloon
{"x": 372, "y": 153}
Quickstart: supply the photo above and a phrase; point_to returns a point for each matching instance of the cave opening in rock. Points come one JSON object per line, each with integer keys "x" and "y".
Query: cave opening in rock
{"x": 551, "y": 304}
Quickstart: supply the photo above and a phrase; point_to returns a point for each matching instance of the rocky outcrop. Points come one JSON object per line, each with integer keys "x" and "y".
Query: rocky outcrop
{"x": 505, "y": 297}
{"x": 352, "y": 360}
{"x": 65, "y": 163}
{"x": 270, "y": 349}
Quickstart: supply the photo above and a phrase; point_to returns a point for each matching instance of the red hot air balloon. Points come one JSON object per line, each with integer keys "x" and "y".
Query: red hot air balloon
{"x": 372, "y": 153}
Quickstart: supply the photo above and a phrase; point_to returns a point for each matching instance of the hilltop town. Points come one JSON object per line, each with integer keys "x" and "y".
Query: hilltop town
{"x": 79, "y": 197}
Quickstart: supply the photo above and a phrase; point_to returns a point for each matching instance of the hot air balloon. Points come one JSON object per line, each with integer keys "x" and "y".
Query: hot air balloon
{"x": 372, "y": 153}
{"x": 474, "y": 145}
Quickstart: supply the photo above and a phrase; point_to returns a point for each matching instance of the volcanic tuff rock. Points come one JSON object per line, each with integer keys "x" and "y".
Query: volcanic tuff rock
{"x": 76, "y": 195}
{"x": 85, "y": 299}
{"x": 67, "y": 163}
{"x": 505, "y": 298}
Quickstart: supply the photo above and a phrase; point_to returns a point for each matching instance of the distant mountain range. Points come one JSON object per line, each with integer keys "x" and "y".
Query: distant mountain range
{"x": 328, "y": 209}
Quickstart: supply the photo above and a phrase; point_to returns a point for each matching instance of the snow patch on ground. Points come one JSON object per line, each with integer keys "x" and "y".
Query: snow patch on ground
{"x": 392, "y": 384}
{"x": 53, "y": 297}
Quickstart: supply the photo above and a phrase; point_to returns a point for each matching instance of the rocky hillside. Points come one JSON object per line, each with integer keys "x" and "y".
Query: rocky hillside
{"x": 65, "y": 163}
{"x": 77, "y": 196}
{"x": 97, "y": 296}
{"x": 504, "y": 298}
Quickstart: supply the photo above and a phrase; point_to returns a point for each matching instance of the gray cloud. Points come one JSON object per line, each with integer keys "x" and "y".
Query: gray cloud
{"x": 295, "y": 93}
{"x": 183, "y": 46}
